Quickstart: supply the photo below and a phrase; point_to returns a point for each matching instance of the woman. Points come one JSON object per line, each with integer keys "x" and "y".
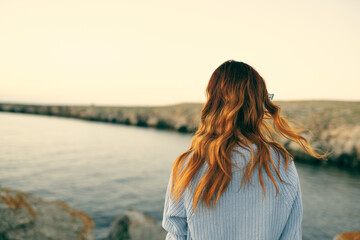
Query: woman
{"x": 233, "y": 145}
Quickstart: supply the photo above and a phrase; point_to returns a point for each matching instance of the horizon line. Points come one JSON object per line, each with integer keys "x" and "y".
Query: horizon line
{"x": 159, "y": 105}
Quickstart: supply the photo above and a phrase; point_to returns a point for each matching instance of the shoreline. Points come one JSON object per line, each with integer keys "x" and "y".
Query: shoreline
{"x": 334, "y": 125}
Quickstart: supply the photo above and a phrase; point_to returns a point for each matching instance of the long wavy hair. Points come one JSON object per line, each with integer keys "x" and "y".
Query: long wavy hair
{"x": 234, "y": 114}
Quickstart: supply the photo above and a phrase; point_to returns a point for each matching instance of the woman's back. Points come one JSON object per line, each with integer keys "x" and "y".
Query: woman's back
{"x": 238, "y": 112}
{"x": 240, "y": 214}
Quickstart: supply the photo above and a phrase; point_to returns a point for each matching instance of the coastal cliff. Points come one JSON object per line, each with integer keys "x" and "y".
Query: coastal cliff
{"x": 334, "y": 125}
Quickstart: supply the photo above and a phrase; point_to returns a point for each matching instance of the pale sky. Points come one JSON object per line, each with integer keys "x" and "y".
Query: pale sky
{"x": 164, "y": 52}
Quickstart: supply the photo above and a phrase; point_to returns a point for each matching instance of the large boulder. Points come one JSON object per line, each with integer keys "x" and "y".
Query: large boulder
{"x": 135, "y": 225}
{"x": 24, "y": 216}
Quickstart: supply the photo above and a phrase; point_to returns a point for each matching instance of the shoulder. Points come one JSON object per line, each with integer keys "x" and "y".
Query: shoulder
{"x": 289, "y": 174}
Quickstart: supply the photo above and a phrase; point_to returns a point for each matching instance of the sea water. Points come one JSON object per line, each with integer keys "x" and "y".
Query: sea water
{"x": 104, "y": 169}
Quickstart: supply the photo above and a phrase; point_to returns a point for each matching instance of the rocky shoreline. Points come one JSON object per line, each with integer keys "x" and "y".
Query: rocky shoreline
{"x": 25, "y": 216}
{"x": 334, "y": 125}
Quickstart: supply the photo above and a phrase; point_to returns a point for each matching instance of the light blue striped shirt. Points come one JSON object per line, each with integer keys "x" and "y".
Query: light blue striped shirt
{"x": 240, "y": 214}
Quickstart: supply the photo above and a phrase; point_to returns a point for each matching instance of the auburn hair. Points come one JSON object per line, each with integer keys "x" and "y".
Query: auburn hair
{"x": 234, "y": 114}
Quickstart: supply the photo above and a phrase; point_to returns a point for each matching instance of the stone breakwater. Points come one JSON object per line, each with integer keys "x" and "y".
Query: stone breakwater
{"x": 334, "y": 125}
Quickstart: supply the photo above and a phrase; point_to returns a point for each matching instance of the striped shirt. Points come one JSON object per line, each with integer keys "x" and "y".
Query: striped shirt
{"x": 240, "y": 214}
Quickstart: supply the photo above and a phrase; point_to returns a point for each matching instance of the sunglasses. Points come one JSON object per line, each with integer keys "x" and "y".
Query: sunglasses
{"x": 271, "y": 96}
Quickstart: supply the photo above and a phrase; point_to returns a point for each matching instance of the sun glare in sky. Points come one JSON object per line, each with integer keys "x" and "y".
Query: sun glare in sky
{"x": 164, "y": 52}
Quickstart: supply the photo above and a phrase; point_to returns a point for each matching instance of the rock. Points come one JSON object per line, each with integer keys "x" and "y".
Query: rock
{"x": 135, "y": 225}
{"x": 25, "y": 216}
{"x": 348, "y": 236}
{"x": 152, "y": 121}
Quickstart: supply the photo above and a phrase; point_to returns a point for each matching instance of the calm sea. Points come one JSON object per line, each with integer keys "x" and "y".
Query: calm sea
{"x": 103, "y": 169}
